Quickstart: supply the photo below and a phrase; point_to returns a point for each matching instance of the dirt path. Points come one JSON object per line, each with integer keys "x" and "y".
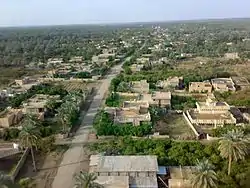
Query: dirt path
{"x": 76, "y": 157}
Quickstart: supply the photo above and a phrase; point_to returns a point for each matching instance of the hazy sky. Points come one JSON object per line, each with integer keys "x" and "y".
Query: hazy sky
{"x": 50, "y": 12}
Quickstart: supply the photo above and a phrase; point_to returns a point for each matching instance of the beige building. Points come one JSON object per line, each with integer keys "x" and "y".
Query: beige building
{"x": 140, "y": 86}
{"x": 136, "y": 67}
{"x": 174, "y": 82}
{"x": 10, "y": 117}
{"x": 76, "y": 59}
{"x": 133, "y": 112}
{"x": 160, "y": 99}
{"x": 241, "y": 83}
{"x": 37, "y": 104}
{"x": 200, "y": 87}
{"x": 125, "y": 171}
{"x": 223, "y": 84}
{"x": 234, "y": 55}
{"x": 211, "y": 113}
{"x": 180, "y": 177}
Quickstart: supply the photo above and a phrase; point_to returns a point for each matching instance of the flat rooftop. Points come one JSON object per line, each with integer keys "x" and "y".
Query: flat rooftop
{"x": 128, "y": 104}
{"x": 240, "y": 81}
{"x": 196, "y": 115}
{"x": 145, "y": 182}
{"x": 161, "y": 95}
{"x": 146, "y": 163}
{"x": 122, "y": 112}
{"x": 222, "y": 81}
{"x": 113, "y": 181}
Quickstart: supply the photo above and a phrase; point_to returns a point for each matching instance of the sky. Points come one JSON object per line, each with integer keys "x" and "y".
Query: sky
{"x": 61, "y": 12}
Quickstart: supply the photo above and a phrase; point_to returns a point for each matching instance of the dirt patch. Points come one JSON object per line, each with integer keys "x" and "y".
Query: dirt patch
{"x": 47, "y": 165}
{"x": 175, "y": 126}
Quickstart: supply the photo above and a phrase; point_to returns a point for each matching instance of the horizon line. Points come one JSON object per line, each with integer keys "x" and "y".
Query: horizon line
{"x": 125, "y": 23}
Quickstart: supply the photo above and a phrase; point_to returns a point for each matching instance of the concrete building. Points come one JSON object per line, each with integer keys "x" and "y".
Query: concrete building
{"x": 234, "y": 55}
{"x": 136, "y": 67}
{"x": 160, "y": 99}
{"x": 76, "y": 59}
{"x": 37, "y": 104}
{"x": 241, "y": 83}
{"x": 142, "y": 60}
{"x": 125, "y": 171}
{"x": 200, "y": 87}
{"x": 180, "y": 176}
{"x": 223, "y": 84}
{"x": 133, "y": 112}
{"x": 211, "y": 113}
{"x": 140, "y": 86}
{"x": 10, "y": 117}
{"x": 55, "y": 60}
{"x": 171, "y": 82}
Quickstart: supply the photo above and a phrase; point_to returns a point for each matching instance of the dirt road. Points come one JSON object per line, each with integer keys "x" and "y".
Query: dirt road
{"x": 75, "y": 155}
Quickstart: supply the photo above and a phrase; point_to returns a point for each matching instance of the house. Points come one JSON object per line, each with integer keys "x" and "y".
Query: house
{"x": 136, "y": 67}
{"x": 133, "y": 112}
{"x": 140, "y": 86}
{"x": 171, "y": 82}
{"x": 200, "y": 87}
{"x": 10, "y": 117}
{"x": 234, "y": 55}
{"x": 241, "y": 83}
{"x": 180, "y": 176}
{"x": 211, "y": 113}
{"x": 55, "y": 60}
{"x": 223, "y": 84}
{"x": 37, "y": 104}
{"x": 76, "y": 59}
{"x": 125, "y": 171}
{"x": 160, "y": 99}
{"x": 142, "y": 60}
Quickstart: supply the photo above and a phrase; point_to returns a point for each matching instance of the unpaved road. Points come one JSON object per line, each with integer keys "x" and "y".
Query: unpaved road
{"x": 75, "y": 155}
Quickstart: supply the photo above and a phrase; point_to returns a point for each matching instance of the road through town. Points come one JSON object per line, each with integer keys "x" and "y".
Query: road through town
{"x": 73, "y": 157}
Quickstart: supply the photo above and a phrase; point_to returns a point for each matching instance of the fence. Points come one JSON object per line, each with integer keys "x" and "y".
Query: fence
{"x": 19, "y": 165}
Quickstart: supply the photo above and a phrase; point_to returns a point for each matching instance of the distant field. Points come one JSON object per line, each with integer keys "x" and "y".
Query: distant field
{"x": 72, "y": 86}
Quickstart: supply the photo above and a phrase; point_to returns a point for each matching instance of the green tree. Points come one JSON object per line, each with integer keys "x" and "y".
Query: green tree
{"x": 29, "y": 137}
{"x": 204, "y": 176}
{"x": 233, "y": 147}
{"x": 86, "y": 180}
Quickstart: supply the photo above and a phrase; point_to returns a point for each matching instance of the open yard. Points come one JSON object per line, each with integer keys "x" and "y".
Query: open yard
{"x": 47, "y": 165}
{"x": 175, "y": 126}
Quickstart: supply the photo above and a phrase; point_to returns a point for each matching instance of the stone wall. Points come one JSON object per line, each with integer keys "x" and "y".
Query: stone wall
{"x": 190, "y": 125}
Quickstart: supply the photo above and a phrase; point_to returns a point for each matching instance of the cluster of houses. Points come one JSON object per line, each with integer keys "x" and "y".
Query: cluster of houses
{"x": 137, "y": 111}
{"x": 35, "y": 105}
{"x": 220, "y": 84}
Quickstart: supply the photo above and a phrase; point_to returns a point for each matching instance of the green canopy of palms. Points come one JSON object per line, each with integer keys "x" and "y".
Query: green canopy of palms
{"x": 233, "y": 147}
{"x": 86, "y": 180}
{"x": 29, "y": 138}
{"x": 204, "y": 176}
{"x": 5, "y": 181}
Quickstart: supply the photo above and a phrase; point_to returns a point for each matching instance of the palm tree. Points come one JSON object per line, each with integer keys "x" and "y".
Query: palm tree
{"x": 86, "y": 180}
{"x": 29, "y": 137}
{"x": 5, "y": 181}
{"x": 233, "y": 147}
{"x": 204, "y": 176}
